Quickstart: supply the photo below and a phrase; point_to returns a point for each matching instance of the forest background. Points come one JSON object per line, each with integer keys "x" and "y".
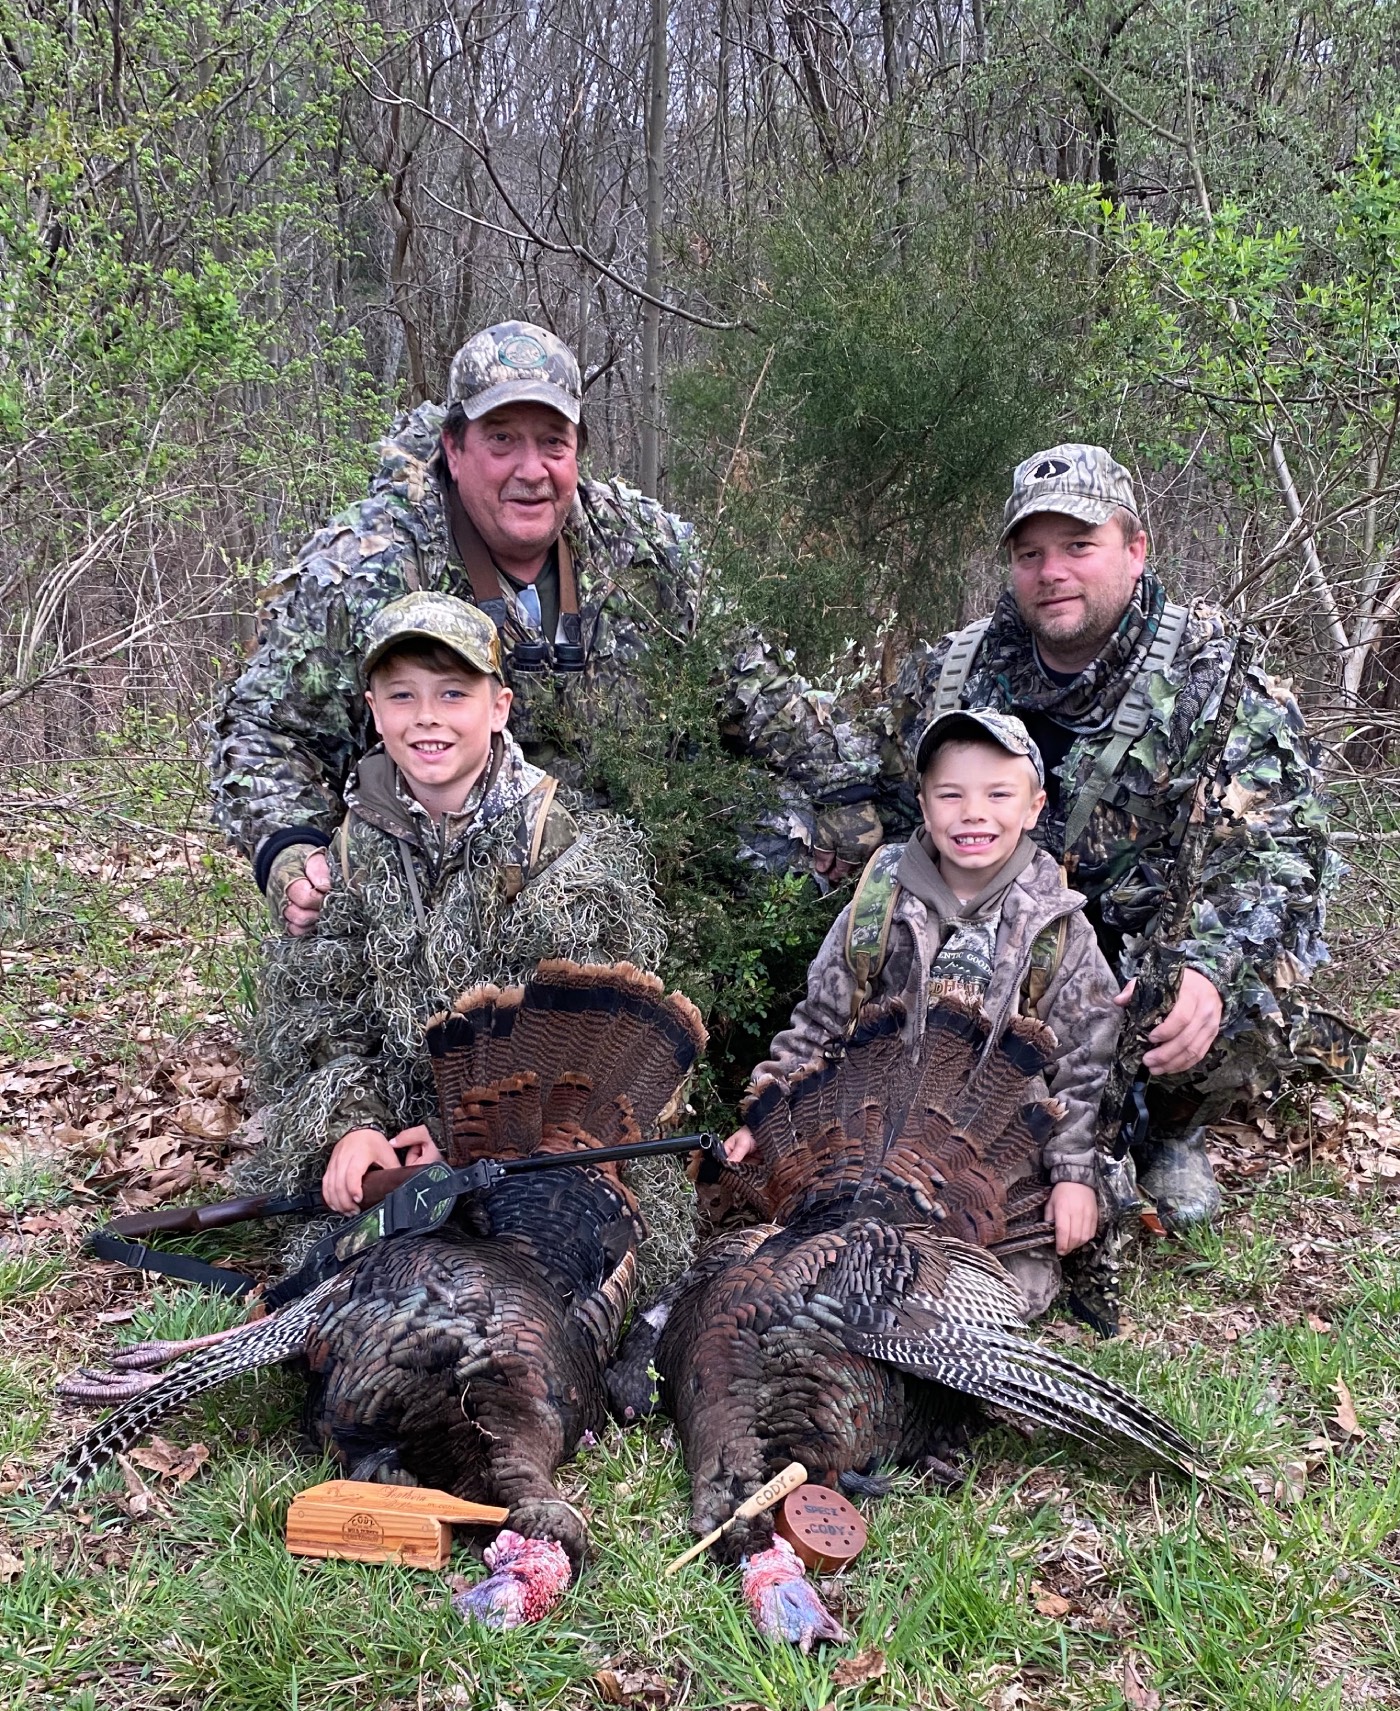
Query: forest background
{"x": 831, "y": 270}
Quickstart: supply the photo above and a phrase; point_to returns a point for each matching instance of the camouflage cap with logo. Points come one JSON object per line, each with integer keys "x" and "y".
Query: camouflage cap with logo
{"x": 515, "y": 363}
{"x": 1077, "y": 481}
{"x": 1005, "y": 730}
{"x": 465, "y": 629}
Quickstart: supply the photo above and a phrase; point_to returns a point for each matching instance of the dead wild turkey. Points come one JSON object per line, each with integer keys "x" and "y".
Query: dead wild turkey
{"x": 472, "y": 1358}
{"x": 855, "y": 1328}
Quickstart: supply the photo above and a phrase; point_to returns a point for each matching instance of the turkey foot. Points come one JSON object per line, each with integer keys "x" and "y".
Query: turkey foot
{"x": 783, "y": 1602}
{"x": 140, "y": 1356}
{"x": 100, "y": 1388}
{"x": 529, "y": 1577}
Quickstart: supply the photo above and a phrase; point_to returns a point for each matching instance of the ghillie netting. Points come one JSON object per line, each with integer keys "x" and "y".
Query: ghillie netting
{"x": 338, "y": 1036}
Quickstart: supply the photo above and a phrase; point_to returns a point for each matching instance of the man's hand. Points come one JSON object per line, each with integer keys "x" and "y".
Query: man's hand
{"x": 297, "y": 887}
{"x": 416, "y": 1145}
{"x": 831, "y": 867}
{"x": 1074, "y": 1211}
{"x": 356, "y": 1153}
{"x": 739, "y": 1145}
{"x": 1188, "y": 1030}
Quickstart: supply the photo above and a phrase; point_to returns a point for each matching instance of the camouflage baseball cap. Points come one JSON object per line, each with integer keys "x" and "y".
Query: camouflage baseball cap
{"x": 1078, "y": 481}
{"x": 515, "y": 363}
{"x": 442, "y": 618}
{"x": 1005, "y": 730}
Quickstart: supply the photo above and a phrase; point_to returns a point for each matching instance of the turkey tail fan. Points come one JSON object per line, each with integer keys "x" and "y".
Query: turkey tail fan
{"x": 267, "y": 1342}
{"x": 604, "y": 1046}
{"x": 825, "y": 1132}
{"x": 502, "y": 1121}
{"x": 619, "y": 1027}
{"x": 955, "y": 1037}
{"x": 469, "y": 1046}
{"x": 996, "y": 1088}
{"x": 1008, "y": 1371}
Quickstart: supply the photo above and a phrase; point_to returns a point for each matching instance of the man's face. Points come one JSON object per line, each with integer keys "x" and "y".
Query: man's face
{"x": 516, "y": 472}
{"x": 1072, "y": 584}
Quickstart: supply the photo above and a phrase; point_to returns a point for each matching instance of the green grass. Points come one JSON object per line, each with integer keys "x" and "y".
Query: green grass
{"x": 1276, "y": 1584}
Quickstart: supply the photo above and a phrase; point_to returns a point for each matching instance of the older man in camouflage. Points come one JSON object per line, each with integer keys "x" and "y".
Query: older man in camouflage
{"x": 482, "y": 498}
{"x": 1119, "y": 687}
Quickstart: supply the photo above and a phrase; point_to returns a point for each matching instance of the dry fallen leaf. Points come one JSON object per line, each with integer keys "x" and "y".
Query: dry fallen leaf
{"x": 1050, "y": 1603}
{"x": 1318, "y": 1324}
{"x": 11, "y": 1566}
{"x": 158, "y": 1456}
{"x": 1346, "y": 1413}
{"x": 633, "y": 1687}
{"x": 863, "y": 1667}
{"x": 1136, "y": 1692}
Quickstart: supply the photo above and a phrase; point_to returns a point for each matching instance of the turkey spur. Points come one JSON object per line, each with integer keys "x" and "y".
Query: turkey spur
{"x": 868, "y": 1321}
{"x": 472, "y": 1358}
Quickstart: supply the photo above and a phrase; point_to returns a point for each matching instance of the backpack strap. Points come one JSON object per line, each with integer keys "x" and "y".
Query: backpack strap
{"x": 1129, "y": 722}
{"x": 539, "y": 807}
{"x": 868, "y": 925}
{"x": 957, "y": 667}
{"x": 1047, "y": 953}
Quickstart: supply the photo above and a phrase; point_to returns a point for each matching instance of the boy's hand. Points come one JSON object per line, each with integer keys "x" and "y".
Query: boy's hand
{"x": 356, "y": 1153}
{"x": 416, "y": 1145}
{"x": 1074, "y": 1211}
{"x": 739, "y": 1145}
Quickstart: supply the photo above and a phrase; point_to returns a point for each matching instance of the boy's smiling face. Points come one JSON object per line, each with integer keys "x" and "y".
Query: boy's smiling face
{"x": 977, "y": 799}
{"x": 437, "y": 723}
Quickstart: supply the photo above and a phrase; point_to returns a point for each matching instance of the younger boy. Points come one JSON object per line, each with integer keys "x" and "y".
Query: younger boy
{"x": 456, "y": 865}
{"x": 977, "y": 906}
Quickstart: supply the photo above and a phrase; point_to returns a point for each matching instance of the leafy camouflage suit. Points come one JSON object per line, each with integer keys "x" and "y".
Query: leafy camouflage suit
{"x": 292, "y": 725}
{"x": 1257, "y": 923}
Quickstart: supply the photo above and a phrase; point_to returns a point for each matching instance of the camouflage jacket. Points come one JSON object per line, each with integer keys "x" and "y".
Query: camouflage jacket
{"x": 419, "y": 911}
{"x": 1077, "y": 1005}
{"x": 1257, "y": 923}
{"x": 290, "y": 728}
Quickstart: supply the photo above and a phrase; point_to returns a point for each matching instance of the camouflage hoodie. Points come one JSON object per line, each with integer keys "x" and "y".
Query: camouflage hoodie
{"x": 418, "y": 912}
{"x": 1024, "y": 898}
{"x": 291, "y": 727}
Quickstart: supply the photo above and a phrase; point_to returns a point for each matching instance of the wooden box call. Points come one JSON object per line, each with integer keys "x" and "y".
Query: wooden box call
{"x": 411, "y": 1524}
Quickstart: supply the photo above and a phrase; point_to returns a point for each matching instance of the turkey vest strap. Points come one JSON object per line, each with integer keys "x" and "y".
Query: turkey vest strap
{"x": 868, "y": 934}
{"x": 1047, "y": 953}
{"x": 957, "y": 668}
{"x": 540, "y": 803}
{"x": 1129, "y": 722}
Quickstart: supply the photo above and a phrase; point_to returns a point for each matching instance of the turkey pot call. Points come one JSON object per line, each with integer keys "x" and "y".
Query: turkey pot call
{"x": 824, "y": 1529}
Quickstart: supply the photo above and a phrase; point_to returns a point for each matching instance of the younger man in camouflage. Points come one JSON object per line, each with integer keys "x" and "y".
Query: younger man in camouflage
{"x": 1119, "y": 687}
{"x": 456, "y": 864}
{"x": 970, "y": 904}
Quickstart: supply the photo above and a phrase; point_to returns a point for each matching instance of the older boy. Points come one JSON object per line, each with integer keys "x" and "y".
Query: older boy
{"x": 971, "y": 903}
{"x": 456, "y": 864}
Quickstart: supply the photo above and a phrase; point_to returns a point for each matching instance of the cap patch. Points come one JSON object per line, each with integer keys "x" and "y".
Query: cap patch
{"x": 521, "y": 351}
{"x": 1049, "y": 469}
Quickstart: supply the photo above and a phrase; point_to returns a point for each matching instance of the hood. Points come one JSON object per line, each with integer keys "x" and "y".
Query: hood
{"x": 379, "y": 795}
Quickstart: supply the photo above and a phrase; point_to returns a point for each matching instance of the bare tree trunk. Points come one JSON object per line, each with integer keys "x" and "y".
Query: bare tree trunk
{"x": 651, "y": 312}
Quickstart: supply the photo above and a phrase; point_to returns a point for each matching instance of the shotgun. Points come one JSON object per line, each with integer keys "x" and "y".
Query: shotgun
{"x": 394, "y": 1203}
